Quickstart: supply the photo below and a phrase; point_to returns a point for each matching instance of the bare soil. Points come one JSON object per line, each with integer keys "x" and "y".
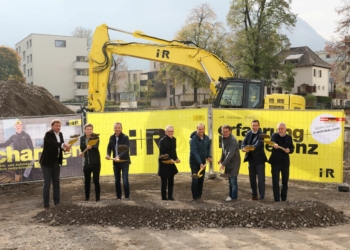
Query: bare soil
{"x": 20, "y": 99}
{"x": 316, "y": 216}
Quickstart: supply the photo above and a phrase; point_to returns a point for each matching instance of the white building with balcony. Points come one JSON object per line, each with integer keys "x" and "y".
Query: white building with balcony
{"x": 57, "y": 63}
{"x": 312, "y": 73}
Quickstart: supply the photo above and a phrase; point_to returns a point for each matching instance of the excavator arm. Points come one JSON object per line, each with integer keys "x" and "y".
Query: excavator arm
{"x": 174, "y": 52}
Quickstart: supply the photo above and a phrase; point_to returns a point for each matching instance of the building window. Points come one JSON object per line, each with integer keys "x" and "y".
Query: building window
{"x": 328, "y": 56}
{"x": 82, "y": 59}
{"x": 78, "y": 85}
{"x": 24, "y": 68}
{"x": 60, "y": 43}
{"x": 314, "y": 72}
{"x": 31, "y": 59}
{"x": 320, "y": 73}
{"x": 84, "y": 85}
{"x": 57, "y": 97}
{"x": 27, "y": 44}
{"x": 319, "y": 87}
{"x": 135, "y": 77}
{"x": 27, "y": 59}
{"x": 322, "y": 87}
{"x": 19, "y": 50}
{"x": 155, "y": 65}
{"x": 30, "y": 43}
{"x": 28, "y": 72}
{"x": 31, "y": 72}
{"x": 82, "y": 72}
{"x": 24, "y": 55}
{"x": 31, "y": 83}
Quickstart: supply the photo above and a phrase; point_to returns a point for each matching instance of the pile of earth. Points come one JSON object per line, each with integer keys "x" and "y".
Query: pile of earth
{"x": 285, "y": 215}
{"x": 18, "y": 99}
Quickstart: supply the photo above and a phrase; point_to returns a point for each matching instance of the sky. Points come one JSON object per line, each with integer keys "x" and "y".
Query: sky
{"x": 159, "y": 18}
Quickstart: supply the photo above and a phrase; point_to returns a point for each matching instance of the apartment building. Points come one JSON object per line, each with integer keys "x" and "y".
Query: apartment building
{"x": 57, "y": 63}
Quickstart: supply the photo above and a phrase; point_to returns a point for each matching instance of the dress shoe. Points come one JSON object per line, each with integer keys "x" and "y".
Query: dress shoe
{"x": 57, "y": 203}
{"x": 86, "y": 200}
{"x": 46, "y": 207}
{"x": 97, "y": 200}
{"x": 254, "y": 198}
{"x": 164, "y": 199}
{"x": 172, "y": 199}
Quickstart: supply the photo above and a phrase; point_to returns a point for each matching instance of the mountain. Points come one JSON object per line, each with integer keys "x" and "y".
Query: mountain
{"x": 304, "y": 35}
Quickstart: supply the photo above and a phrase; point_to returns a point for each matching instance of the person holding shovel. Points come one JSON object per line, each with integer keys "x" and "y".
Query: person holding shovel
{"x": 280, "y": 162}
{"x": 230, "y": 160}
{"x": 199, "y": 154}
{"x": 92, "y": 161}
{"x": 167, "y": 168}
{"x": 256, "y": 159}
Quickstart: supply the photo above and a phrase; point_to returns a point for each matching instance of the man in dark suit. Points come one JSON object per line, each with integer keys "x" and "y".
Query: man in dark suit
{"x": 51, "y": 160}
{"x": 256, "y": 160}
{"x": 280, "y": 162}
{"x": 121, "y": 160}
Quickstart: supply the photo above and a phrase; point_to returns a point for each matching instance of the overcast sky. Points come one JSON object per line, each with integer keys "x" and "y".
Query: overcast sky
{"x": 160, "y": 18}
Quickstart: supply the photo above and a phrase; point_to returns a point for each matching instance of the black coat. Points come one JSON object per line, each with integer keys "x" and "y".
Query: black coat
{"x": 257, "y": 156}
{"x": 50, "y": 151}
{"x": 278, "y": 156}
{"x": 122, "y": 140}
{"x": 92, "y": 155}
{"x": 167, "y": 145}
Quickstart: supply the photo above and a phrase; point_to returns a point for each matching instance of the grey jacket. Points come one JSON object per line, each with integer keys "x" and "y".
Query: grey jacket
{"x": 230, "y": 157}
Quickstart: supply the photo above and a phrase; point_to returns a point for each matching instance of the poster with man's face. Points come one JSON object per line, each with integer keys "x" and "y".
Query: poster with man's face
{"x": 21, "y": 145}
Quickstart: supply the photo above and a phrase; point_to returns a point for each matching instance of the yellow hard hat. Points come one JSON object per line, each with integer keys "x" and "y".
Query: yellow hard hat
{"x": 18, "y": 122}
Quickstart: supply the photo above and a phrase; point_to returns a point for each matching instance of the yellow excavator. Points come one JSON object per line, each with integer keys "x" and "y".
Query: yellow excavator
{"x": 229, "y": 92}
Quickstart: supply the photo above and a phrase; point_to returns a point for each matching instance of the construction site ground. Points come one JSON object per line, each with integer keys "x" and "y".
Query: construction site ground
{"x": 316, "y": 216}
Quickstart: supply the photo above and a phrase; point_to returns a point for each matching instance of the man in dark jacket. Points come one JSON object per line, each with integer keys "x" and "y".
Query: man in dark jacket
{"x": 51, "y": 160}
{"x": 279, "y": 161}
{"x": 199, "y": 154}
{"x": 256, "y": 160}
{"x": 167, "y": 145}
{"x": 92, "y": 162}
{"x": 230, "y": 160}
{"x": 121, "y": 160}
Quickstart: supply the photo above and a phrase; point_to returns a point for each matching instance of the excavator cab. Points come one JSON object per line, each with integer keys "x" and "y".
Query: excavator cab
{"x": 239, "y": 93}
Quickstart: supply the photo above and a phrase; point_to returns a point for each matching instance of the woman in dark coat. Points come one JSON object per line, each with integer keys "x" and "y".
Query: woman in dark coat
{"x": 92, "y": 162}
{"x": 167, "y": 145}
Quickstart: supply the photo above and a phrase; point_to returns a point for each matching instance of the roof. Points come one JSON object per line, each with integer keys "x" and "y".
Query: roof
{"x": 305, "y": 56}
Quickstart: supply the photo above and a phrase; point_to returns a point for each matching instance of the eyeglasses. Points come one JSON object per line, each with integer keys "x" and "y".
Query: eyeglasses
{"x": 172, "y": 131}
{"x": 226, "y": 131}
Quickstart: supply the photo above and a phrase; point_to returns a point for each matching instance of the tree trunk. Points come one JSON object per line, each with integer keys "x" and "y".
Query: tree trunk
{"x": 108, "y": 91}
{"x": 195, "y": 99}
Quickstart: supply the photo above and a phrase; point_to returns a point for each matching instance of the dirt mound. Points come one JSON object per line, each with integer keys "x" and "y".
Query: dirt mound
{"x": 287, "y": 215}
{"x": 18, "y": 99}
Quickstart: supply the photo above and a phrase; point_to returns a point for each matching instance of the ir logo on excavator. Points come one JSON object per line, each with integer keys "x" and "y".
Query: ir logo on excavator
{"x": 165, "y": 53}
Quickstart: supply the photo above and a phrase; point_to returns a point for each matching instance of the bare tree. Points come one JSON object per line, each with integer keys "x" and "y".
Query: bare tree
{"x": 118, "y": 71}
{"x": 83, "y": 32}
{"x": 339, "y": 48}
{"x": 202, "y": 30}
